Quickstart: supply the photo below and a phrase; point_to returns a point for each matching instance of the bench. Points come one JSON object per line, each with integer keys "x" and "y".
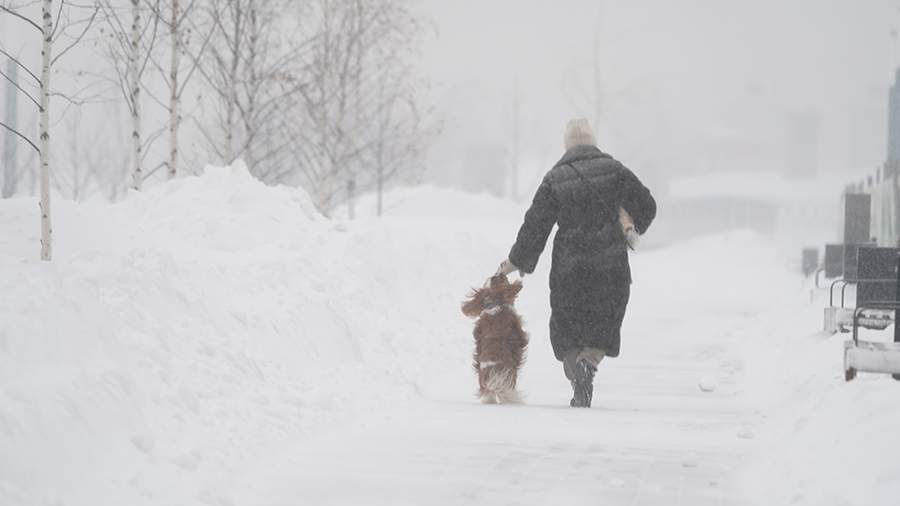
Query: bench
{"x": 875, "y": 280}
{"x": 809, "y": 261}
{"x": 877, "y": 302}
{"x": 834, "y": 260}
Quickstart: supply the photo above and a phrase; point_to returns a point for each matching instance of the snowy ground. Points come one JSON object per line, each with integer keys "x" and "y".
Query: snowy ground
{"x": 214, "y": 341}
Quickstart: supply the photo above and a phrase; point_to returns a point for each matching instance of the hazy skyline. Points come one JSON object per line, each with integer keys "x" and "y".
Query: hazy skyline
{"x": 688, "y": 86}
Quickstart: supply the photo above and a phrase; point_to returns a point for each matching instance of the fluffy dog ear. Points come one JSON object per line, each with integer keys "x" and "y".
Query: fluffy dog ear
{"x": 472, "y": 306}
{"x": 512, "y": 291}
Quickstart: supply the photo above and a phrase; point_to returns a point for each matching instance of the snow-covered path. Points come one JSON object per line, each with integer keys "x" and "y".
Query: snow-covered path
{"x": 652, "y": 438}
{"x": 646, "y": 445}
{"x": 214, "y": 341}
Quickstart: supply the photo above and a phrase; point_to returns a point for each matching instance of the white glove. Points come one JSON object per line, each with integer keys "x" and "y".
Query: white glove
{"x": 632, "y": 238}
{"x": 506, "y": 268}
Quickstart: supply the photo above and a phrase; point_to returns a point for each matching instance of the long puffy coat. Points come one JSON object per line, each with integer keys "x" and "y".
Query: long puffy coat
{"x": 590, "y": 278}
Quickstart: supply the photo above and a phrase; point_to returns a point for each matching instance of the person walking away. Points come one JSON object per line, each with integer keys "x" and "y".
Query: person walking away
{"x": 601, "y": 207}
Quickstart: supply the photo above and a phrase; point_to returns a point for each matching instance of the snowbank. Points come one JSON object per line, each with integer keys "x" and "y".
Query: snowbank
{"x": 185, "y": 332}
{"x": 826, "y": 442}
{"x": 812, "y": 439}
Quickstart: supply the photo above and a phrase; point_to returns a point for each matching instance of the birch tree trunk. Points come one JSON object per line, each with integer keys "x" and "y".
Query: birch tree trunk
{"x": 135, "y": 98}
{"x": 250, "y": 126}
{"x": 44, "y": 126}
{"x": 231, "y": 111}
{"x": 351, "y": 199}
{"x": 10, "y": 157}
{"x": 229, "y": 125}
{"x": 380, "y": 192}
{"x": 174, "y": 113}
{"x": 379, "y": 176}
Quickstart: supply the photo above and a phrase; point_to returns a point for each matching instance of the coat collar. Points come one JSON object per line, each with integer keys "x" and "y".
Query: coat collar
{"x": 579, "y": 153}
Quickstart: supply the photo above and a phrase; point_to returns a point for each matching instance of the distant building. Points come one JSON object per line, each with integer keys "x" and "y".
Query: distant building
{"x": 893, "y": 144}
{"x": 793, "y": 212}
{"x": 883, "y": 187}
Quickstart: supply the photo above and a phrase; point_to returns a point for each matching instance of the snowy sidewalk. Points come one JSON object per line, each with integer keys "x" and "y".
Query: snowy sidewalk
{"x": 646, "y": 446}
{"x": 652, "y": 438}
{"x": 213, "y": 341}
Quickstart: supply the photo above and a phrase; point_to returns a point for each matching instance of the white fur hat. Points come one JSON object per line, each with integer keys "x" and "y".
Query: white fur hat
{"x": 579, "y": 133}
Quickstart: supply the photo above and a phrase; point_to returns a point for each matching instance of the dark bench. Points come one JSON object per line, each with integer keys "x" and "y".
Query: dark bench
{"x": 851, "y": 258}
{"x": 874, "y": 279}
{"x": 809, "y": 261}
{"x": 834, "y": 260}
{"x": 875, "y": 295}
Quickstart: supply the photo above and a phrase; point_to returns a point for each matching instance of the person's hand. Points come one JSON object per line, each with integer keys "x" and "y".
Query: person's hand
{"x": 506, "y": 268}
{"x": 632, "y": 238}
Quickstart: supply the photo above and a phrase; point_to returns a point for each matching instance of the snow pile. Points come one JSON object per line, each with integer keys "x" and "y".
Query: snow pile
{"x": 735, "y": 303}
{"x": 184, "y": 340}
{"x": 187, "y": 331}
{"x": 827, "y": 442}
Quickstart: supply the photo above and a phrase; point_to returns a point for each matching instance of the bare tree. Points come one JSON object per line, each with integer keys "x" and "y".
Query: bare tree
{"x": 224, "y": 69}
{"x": 75, "y": 183}
{"x": 337, "y": 120}
{"x": 331, "y": 107}
{"x": 44, "y": 129}
{"x": 180, "y": 19}
{"x": 313, "y": 92}
{"x": 402, "y": 128}
{"x": 51, "y": 34}
{"x": 10, "y": 143}
{"x": 133, "y": 35}
{"x": 399, "y": 127}
{"x": 254, "y": 66}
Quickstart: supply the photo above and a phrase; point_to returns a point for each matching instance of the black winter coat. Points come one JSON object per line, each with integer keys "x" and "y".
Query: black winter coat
{"x": 590, "y": 276}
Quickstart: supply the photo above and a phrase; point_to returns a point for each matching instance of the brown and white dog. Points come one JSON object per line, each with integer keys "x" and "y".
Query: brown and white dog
{"x": 500, "y": 341}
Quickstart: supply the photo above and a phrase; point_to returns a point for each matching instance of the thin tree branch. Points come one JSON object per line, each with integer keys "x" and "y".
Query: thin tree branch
{"x": 23, "y": 18}
{"x": 155, "y": 169}
{"x": 58, "y": 23}
{"x": 24, "y": 92}
{"x": 21, "y": 65}
{"x": 77, "y": 40}
{"x": 16, "y": 132}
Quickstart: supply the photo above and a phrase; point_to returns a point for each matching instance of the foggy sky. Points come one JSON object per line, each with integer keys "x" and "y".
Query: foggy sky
{"x": 689, "y": 86}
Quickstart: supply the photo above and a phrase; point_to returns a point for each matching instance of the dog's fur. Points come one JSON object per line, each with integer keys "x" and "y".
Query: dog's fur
{"x": 500, "y": 341}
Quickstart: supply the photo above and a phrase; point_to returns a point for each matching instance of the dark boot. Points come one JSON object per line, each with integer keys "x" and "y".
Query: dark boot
{"x": 583, "y": 384}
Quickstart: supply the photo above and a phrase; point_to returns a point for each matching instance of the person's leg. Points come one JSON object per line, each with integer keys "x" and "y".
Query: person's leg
{"x": 579, "y": 362}
{"x": 583, "y": 368}
{"x": 592, "y": 355}
{"x": 569, "y": 359}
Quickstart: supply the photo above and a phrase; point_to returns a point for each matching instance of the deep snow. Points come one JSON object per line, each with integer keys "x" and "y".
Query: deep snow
{"x": 216, "y": 341}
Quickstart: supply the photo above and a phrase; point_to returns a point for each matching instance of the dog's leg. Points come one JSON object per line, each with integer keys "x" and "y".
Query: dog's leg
{"x": 512, "y": 397}
{"x": 500, "y": 382}
{"x": 489, "y": 398}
